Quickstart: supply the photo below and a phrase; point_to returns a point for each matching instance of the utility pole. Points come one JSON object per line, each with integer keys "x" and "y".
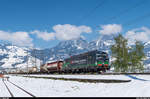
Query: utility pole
{"x": 41, "y": 58}
{"x": 35, "y": 58}
{"x": 34, "y": 55}
{"x": 27, "y": 67}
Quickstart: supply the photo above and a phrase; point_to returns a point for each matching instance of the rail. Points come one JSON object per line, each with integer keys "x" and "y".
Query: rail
{"x": 11, "y": 93}
{"x": 8, "y": 90}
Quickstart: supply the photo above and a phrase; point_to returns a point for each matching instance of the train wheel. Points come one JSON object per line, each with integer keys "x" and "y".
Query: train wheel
{"x": 78, "y": 71}
{"x": 81, "y": 70}
{"x": 104, "y": 70}
{"x": 59, "y": 72}
{"x": 74, "y": 71}
{"x": 64, "y": 71}
{"x": 92, "y": 71}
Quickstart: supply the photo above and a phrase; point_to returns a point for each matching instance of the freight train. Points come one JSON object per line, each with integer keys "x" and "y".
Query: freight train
{"x": 93, "y": 61}
{"x": 31, "y": 70}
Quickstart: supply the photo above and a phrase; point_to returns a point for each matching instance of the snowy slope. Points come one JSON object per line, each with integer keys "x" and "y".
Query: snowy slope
{"x": 12, "y": 56}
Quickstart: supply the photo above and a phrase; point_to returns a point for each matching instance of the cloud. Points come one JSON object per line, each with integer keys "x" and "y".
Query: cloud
{"x": 63, "y": 32}
{"x": 68, "y": 32}
{"x": 140, "y": 34}
{"x": 110, "y": 29}
{"x": 44, "y": 35}
{"x": 18, "y": 38}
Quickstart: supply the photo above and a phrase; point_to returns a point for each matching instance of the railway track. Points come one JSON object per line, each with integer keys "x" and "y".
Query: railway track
{"x": 8, "y": 89}
{"x": 21, "y": 90}
{"x": 90, "y": 73}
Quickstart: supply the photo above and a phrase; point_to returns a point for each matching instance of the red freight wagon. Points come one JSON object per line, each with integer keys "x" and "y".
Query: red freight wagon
{"x": 54, "y": 66}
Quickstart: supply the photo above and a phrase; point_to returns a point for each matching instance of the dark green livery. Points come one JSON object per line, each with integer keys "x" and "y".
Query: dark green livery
{"x": 86, "y": 62}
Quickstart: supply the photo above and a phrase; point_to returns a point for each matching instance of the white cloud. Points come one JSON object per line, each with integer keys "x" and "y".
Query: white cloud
{"x": 140, "y": 34}
{"x": 17, "y": 38}
{"x": 44, "y": 35}
{"x": 110, "y": 29}
{"x": 68, "y": 32}
{"x": 63, "y": 32}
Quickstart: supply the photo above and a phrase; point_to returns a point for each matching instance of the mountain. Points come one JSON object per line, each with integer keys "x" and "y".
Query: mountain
{"x": 12, "y": 56}
{"x": 72, "y": 47}
{"x": 102, "y": 43}
{"x": 66, "y": 49}
{"x": 147, "y": 53}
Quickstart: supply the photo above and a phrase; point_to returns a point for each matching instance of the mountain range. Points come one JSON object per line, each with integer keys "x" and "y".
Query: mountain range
{"x": 12, "y": 56}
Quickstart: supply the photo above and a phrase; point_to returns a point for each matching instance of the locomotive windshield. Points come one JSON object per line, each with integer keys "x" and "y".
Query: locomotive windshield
{"x": 102, "y": 56}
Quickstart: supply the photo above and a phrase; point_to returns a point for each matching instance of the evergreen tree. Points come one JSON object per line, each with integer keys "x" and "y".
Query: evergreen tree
{"x": 136, "y": 57}
{"x": 120, "y": 53}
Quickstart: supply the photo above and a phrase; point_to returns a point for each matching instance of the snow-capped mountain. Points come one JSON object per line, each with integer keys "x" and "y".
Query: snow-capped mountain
{"x": 102, "y": 43}
{"x": 147, "y": 53}
{"x": 68, "y": 48}
{"x": 14, "y": 56}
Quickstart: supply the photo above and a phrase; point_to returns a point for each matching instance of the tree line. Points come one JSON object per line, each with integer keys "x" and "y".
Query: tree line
{"x": 127, "y": 58}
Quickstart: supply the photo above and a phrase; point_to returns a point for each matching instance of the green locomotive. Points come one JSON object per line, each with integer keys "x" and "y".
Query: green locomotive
{"x": 93, "y": 61}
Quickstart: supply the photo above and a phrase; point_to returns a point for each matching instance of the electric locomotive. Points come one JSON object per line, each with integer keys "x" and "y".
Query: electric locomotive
{"x": 92, "y": 61}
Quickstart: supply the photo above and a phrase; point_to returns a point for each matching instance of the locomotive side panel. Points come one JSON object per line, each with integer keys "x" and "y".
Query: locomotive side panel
{"x": 90, "y": 61}
{"x": 80, "y": 61}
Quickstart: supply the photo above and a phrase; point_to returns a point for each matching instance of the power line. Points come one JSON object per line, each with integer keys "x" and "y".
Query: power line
{"x": 137, "y": 19}
{"x": 92, "y": 11}
{"x": 114, "y": 17}
{"x": 126, "y": 10}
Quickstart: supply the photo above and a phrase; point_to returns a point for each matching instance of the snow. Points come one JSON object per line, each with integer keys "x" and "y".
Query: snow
{"x": 79, "y": 47}
{"x": 16, "y": 55}
{"x": 3, "y": 91}
{"x": 3, "y": 51}
{"x": 16, "y": 92}
{"x": 147, "y": 43}
{"x": 59, "y": 88}
{"x": 97, "y": 43}
{"x": 108, "y": 42}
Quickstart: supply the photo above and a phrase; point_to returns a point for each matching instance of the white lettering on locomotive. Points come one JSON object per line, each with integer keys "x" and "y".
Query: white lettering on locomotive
{"x": 79, "y": 61}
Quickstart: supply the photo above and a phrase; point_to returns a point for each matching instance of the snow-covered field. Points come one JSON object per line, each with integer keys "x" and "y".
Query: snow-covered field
{"x": 59, "y": 88}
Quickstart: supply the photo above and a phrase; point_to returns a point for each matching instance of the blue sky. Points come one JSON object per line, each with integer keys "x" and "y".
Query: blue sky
{"x": 25, "y": 16}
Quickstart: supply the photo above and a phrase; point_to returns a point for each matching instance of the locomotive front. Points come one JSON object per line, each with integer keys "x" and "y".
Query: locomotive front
{"x": 102, "y": 60}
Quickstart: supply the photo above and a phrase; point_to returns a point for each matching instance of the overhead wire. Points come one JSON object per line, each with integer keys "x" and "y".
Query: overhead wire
{"x": 137, "y": 19}
{"x": 126, "y": 10}
{"x": 100, "y": 4}
{"x": 113, "y": 17}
